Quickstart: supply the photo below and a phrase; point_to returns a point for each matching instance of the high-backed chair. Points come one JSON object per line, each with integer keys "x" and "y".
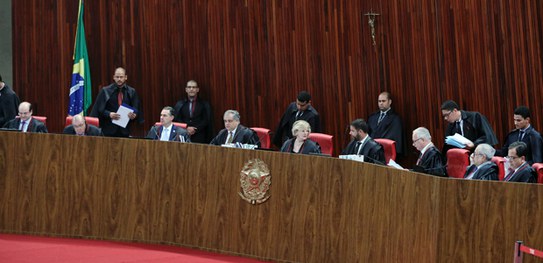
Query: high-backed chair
{"x": 178, "y": 124}
{"x": 390, "y": 148}
{"x": 325, "y": 141}
{"x": 89, "y": 120}
{"x": 538, "y": 167}
{"x": 500, "y": 162}
{"x": 457, "y": 162}
{"x": 264, "y": 136}
{"x": 41, "y": 118}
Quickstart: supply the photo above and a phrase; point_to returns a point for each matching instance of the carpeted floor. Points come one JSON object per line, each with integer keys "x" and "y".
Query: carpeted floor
{"x": 35, "y": 249}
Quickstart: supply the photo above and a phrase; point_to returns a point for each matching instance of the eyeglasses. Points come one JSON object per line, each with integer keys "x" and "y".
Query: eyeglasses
{"x": 192, "y": 87}
{"x": 417, "y": 140}
{"x": 477, "y": 154}
{"x": 446, "y": 115}
{"x": 512, "y": 157}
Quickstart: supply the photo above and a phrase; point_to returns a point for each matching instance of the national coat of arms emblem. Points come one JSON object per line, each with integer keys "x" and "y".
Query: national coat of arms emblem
{"x": 255, "y": 182}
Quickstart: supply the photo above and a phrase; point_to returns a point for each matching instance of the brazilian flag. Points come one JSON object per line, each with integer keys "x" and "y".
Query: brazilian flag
{"x": 80, "y": 90}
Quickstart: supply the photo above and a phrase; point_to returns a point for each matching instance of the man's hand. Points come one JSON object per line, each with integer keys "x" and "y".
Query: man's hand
{"x": 191, "y": 130}
{"x": 132, "y": 115}
{"x": 114, "y": 115}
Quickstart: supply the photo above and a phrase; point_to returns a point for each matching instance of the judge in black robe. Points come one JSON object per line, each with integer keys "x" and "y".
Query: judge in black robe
{"x": 363, "y": 144}
{"x": 430, "y": 160}
{"x": 487, "y": 171}
{"x": 520, "y": 170}
{"x": 33, "y": 125}
{"x": 177, "y": 134}
{"x": 301, "y": 130}
{"x": 241, "y": 133}
{"x": 90, "y": 130}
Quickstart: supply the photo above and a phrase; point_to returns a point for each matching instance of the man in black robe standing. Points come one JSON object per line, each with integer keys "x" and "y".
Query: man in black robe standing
{"x": 196, "y": 113}
{"x": 524, "y": 132}
{"x": 9, "y": 103}
{"x": 301, "y": 109}
{"x": 110, "y": 99}
{"x": 470, "y": 124}
{"x": 385, "y": 123}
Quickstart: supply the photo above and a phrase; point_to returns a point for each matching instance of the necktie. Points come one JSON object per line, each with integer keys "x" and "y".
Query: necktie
{"x": 419, "y": 159}
{"x": 230, "y": 137}
{"x": 23, "y": 125}
{"x": 520, "y": 135}
{"x": 381, "y": 117}
{"x": 165, "y": 136}
{"x": 510, "y": 172}
{"x": 191, "y": 108}
{"x": 458, "y": 128}
{"x": 299, "y": 114}
{"x": 470, "y": 175}
{"x": 358, "y": 147}
{"x": 120, "y": 97}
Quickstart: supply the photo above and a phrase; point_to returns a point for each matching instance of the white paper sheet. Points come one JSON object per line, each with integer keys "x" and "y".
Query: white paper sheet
{"x": 394, "y": 164}
{"x": 123, "y": 111}
{"x": 354, "y": 157}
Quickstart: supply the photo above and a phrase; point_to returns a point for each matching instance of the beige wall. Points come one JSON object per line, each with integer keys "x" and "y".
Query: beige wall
{"x": 5, "y": 42}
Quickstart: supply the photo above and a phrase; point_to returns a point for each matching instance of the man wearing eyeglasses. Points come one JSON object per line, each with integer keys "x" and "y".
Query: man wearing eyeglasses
{"x": 482, "y": 167}
{"x": 301, "y": 109}
{"x": 429, "y": 161}
{"x": 470, "y": 124}
{"x": 519, "y": 169}
{"x": 196, "y": 113}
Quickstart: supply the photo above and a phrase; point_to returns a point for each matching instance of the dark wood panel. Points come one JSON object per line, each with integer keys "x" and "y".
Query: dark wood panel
{"x": 255, "y": 56}
{"x": 187, "y": 194}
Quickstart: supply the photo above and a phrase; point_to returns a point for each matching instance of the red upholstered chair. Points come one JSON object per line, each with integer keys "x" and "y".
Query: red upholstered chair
{"x": 390, "y": 148}
{"x": 264, "y": 136}
{"x": 41, "y": 118}
{"x": 178, "y": 124}
{"x": 500, "y": 162}
{"x": 538, "y": 167}
{"x": 457, "y": 162}
{"x": 89, "y": 120}
{"x": 325, "y": 141}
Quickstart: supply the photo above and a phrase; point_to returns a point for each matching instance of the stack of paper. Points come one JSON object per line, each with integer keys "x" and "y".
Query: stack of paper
{"x": 457, "y": 140}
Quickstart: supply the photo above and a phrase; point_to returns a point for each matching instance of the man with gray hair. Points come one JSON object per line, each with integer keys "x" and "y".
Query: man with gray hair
{"x": 482, "y": 167}
{"x": 430, "y": 160}
{"x": 80, "y": 127}
{"x": 235, "y": 132}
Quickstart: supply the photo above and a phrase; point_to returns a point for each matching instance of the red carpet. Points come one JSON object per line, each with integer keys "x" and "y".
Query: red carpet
{"x": 22, "y": 248}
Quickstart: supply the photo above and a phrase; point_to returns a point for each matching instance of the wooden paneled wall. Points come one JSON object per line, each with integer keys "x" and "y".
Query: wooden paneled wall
{"x": 330, "y": 211}
{"x": 255, "y": 56}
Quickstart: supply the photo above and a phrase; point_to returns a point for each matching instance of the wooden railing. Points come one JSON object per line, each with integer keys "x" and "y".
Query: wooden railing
{"x": 321, "y": 209}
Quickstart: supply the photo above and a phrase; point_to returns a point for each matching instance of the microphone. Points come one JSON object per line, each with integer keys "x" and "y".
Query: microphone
{"x": 156, "y": 132}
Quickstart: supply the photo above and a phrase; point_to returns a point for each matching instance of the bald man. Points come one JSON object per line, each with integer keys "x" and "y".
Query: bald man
{"x": 108, "y": 101}
{"x": 80, "y": 127}
{"x": 25, "y": 122}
